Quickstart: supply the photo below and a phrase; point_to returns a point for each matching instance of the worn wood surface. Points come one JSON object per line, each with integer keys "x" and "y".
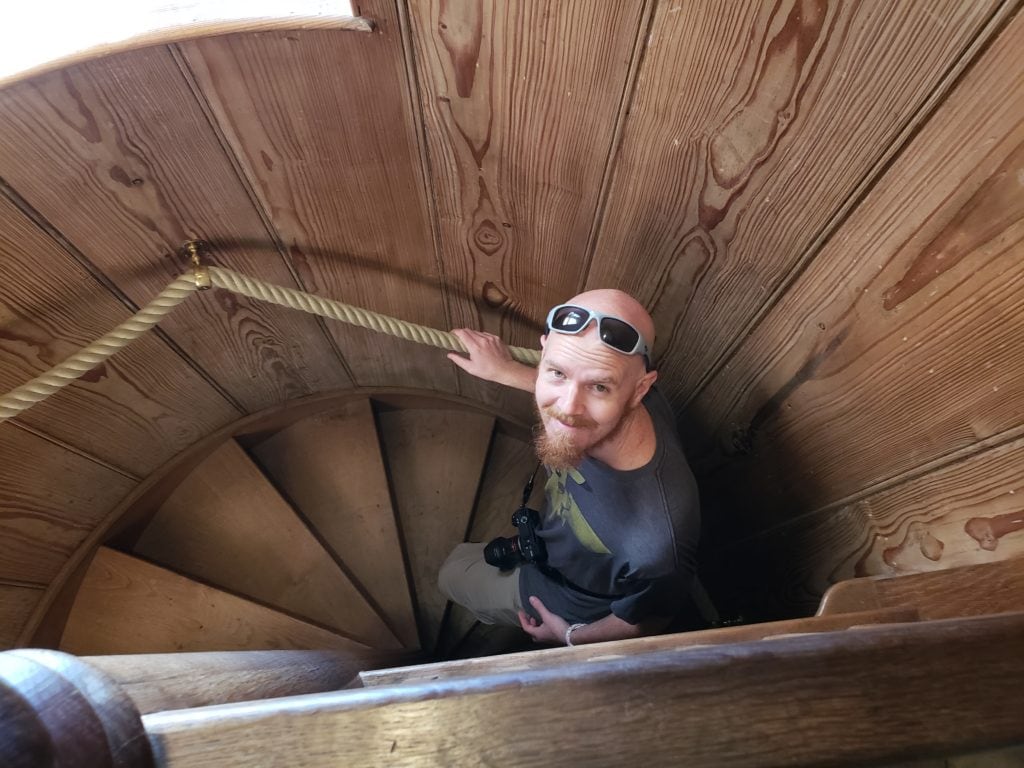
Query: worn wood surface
{"x": 16, "y": 604}
{"x": 50, "y": 499}
{"x": 140, "y": 172}
{"x": 79, "y": 38}
{"x": 159, "y": 682}
{"x": 519, "y": 101}
{"x": 138, "y": 409}
{"x": 597, "y": 652}
{"x": 331, "y": 470}
{"x": 226, "y": 525}
{"x": 807, "y": 700}
{"x": 127, "y": 605}
{"x": 320, "y": 123}
{"x": 970, "y": 590}
{"x": 900, "y": 343}
{"x": 750, "y": 128}
{"x": 434, "y": 460}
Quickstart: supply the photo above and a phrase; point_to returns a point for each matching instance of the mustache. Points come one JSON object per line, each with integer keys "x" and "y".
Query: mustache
{"x": 569, "y": 419}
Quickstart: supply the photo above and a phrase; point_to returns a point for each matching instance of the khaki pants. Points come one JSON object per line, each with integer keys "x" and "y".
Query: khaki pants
{"x": 491, "y": 595}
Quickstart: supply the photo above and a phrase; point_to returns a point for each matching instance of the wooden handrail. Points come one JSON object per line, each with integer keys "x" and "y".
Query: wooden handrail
{"x": 881, "y": 693}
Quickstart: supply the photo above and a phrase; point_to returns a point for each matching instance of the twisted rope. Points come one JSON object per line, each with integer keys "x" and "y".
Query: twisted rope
{"x": 346, "y": 313}
{"x": 83, "y": 361}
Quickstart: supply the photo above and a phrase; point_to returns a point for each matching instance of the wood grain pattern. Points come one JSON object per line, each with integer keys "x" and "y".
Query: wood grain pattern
{"x": 519, "y": 101}
{"x": 226, "y": 525}
{"x": 920, "y": 525}
{"x": 751, "y": 126}
{"x": 129, "y": 606}
{"x": 331, "y": 470}
{"x": 16, "y": 604}
{"x": 50, "y": 499}
{"x": 321, "y": 124}
{"x": 136, "y": 410}
{"x": 120, "y": 158}
{"x": 902, "y": 341}
{"x": 434, "y": 459}
{"x": 728, "y": 705}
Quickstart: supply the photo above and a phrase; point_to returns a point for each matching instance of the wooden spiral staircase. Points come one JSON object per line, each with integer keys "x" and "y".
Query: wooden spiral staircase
{"x": 324, "y": 533}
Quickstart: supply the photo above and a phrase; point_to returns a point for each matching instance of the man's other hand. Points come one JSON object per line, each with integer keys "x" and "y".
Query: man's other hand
{"x": 550, "y": 629}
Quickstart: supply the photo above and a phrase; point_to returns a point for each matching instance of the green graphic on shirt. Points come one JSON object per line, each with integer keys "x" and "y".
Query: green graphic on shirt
{"x": 561, "y": 504}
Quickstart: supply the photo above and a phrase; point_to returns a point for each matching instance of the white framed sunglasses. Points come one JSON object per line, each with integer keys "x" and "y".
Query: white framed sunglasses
{"x": 613, "y": 331}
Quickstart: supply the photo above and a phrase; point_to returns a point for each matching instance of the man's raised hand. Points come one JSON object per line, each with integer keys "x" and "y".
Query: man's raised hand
{"x": 489, "y": 359}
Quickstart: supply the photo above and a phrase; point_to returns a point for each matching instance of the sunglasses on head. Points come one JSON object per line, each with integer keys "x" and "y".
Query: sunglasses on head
{"x": 613, "y": 331}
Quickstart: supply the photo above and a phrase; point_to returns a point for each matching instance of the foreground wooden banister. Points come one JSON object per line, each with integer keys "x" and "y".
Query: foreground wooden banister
{"x": 881, "y": 693}
{"x": 162, "y": 681}
{"x": 514, "y": 662}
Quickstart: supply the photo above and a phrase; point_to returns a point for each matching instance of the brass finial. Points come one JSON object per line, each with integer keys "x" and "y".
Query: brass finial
{"x": 194, "y": 250}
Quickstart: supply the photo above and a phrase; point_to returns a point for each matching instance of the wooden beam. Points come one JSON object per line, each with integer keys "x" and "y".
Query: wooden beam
{"x": 881, "y": 693}
{"x": 543, "y": 659}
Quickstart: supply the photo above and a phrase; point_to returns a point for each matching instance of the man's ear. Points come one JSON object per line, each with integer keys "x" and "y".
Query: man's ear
{"x": 643, "y": 386}
{"x": 543, "y": 340}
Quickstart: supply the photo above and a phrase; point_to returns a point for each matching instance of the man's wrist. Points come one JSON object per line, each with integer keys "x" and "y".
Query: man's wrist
{"x": 568, "y": 633}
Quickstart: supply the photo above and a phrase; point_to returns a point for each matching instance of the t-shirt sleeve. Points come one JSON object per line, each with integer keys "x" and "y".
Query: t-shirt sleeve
{"x": 654, "y": 598}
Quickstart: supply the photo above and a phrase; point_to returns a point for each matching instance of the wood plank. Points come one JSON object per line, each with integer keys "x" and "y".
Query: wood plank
{"x": 727, "y": 705}
{"x": 330, "y": 468}
{"x": 520, "y": 102}
{"x": 226, "y": 525}
{"x": 553, "y": 657}
{"x": 157, "y": 682}
{"x": 118, "y": 156}
{"x": 434, "y": 460}
{"x": 321, "y": 124}
{"x": 751, "y": 127}
{"x": 50, "y": 499}
{"x": 901, "y": 343}
{"x": 136, "y": 410}
{"x": 16, "y": 604}
{"x": 970, "y": 590}
{"x": 126, "y": 605}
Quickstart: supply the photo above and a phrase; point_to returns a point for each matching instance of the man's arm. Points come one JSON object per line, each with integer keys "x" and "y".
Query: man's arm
{"x": 551, "y": 628}
{"x": 490, "y": 359}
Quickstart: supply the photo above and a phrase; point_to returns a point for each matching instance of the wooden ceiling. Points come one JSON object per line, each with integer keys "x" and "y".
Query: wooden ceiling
{"x": 819, "y": 202}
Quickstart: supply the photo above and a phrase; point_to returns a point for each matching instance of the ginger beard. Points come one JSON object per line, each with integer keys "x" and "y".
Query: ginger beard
{"x": 560, "y": 451}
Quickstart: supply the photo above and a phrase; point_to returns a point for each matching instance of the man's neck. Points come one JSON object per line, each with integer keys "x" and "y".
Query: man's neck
{"x": 631, "y": 445}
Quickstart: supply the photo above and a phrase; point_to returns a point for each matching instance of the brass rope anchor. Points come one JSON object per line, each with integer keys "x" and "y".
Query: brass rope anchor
{"x": 193, "y": 249}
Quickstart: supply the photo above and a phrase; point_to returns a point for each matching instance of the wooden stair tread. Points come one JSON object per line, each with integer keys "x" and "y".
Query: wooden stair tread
{"x": 969, "y": 590}
{"x": 227, "y": 525}
{"x": 434, "y": 459}
{"x": 330, "y": 467}
{"x": 538, "y": 659}
{"x": 126, "y": 605}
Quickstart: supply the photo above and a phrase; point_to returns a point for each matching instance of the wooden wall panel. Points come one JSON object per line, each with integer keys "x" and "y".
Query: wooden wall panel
{"x": 50, "y": 499}
{"x": 752, "y": 125}
{"x": 968, "y": 512}
{"x": 321, "y": 122}
{"x": 903, "y": 342}
{"x": 520, "y": 102}
{"x": 118, "y": 156}
{"x": 16, "y": 604}
{"x": 129, "y": 606}
{"x": 137, "y": 410}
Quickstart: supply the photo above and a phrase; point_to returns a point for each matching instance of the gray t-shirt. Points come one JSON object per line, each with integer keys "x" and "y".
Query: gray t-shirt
{"x": 625, "y": 542}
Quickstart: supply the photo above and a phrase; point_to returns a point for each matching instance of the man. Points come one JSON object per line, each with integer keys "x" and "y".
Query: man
{"x": 621, "y": 517}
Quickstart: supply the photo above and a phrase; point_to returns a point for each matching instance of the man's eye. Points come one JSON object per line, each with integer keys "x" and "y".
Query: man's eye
{"x": 600, "y": 388}
{"x": 555, "y": 373}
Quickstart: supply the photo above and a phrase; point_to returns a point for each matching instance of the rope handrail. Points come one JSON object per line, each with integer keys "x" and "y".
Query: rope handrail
{"x": 52, "y": 381}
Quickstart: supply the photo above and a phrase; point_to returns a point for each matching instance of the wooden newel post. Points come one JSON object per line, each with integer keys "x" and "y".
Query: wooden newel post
{"x": 58, "y": 712}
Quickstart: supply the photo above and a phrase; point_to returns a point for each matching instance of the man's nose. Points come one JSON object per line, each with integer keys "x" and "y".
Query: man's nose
{"x": 571, "y": 400}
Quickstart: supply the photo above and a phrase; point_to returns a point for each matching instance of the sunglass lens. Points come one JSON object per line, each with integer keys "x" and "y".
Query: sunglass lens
{"x": 570, "y": 319}
{"x": 618, "y": 334}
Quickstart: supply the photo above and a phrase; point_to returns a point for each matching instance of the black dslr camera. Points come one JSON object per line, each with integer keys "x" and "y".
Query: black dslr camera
{"x": 527, "y": 547}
